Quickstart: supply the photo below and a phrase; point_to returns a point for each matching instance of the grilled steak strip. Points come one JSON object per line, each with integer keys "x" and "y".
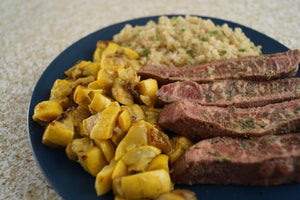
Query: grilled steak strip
{"x": 238, "y": 93}
{"x": 266, "y": 160}
{"x": 198, "y": 122}
{"x": 263, "y": 67}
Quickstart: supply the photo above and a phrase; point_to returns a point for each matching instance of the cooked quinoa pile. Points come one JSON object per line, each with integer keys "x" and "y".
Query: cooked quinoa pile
{"x": 181, "y": 41}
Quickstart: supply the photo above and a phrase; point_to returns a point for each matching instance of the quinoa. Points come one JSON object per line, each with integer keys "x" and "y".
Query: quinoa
{"x": 182, "y": 41}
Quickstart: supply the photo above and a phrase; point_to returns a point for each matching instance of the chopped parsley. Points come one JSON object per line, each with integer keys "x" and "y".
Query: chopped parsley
{"x": 183, "y": 29}
{"x": 146, "y": 52}
{"x": 156, "y": 37}
{"x": 190, "y": 52}
{"x": 247, "y": 122}
{"x": 223, "y": 33}
{"x": 267, "y": 141}
{"x": 242, "y": 50}
{"x": 223, "y": 52}
{"x": 204, "y": 39}
{"x": 215, "y": 32}
{"x": 232, "y": 110}
{"x": 244, "y": 145}
{"x": 216, "y": 154}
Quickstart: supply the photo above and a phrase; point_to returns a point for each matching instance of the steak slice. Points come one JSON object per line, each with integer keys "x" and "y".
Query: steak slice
{"x": 238, "y": 93}
{"x": 198, "y": 122}
{"x": 263, "y": 67}
{"x": 266, "y": 160}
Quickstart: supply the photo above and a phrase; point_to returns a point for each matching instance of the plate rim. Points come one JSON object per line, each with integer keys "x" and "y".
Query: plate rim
{"x": 68, "y": 48}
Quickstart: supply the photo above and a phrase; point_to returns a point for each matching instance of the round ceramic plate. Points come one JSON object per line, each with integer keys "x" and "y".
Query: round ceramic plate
{"x": 72, "y": 182}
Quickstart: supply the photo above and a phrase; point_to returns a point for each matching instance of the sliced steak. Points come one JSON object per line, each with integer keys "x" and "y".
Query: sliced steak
{"x": 198, "y": 122}
{"x": 238, "y": 93}
{"x": 263, "y": 67}
{"x": 266, "y": 160}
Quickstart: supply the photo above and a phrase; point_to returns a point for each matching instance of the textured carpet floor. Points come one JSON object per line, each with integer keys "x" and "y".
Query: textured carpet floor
{"x": 33, "y": 33}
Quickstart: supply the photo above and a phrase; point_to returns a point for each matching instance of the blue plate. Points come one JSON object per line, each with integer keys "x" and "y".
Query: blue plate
{"x": 72, "y": 182}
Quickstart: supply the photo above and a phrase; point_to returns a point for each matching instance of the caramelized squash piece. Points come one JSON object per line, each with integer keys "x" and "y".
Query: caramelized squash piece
{"x": 59, "y": 133}
{"x": 60, "y": 92}
{"x": 148, "y": 184}
{"x": 159, "y": 162}
{"x": 103, "y": 182}
{"x": 92, "y": 160}
{"x": 46, "y": 111}
{"x": 179, "y": 145}
{"x": 124, "y": 121}
{"x": 121, "y": 93}
{"x": 107, "y": 147}
{"x": 147, "y": 89}
{"x": 99, "y": 103}
{"x": 106, "y": 122}
{"x": 136, "y": 136}
{"x": 139, "y": 158}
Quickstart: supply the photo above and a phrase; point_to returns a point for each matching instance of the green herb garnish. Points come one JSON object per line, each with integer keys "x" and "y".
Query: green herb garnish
{"x": 190, "y": 52}
{"x": 223, "y": 33}
{"x": 247, "y": 122}
{"x": 156, "y": 37}
{"x": 183, "y": 29}
{"x": 242, "y": 50}
{"x": 232, "y": 110}
{"x": 215, "y": 32}
{"x": 216, "y": 154}
{"x": 204, "y": 39}
{"x": 267, "y": 141}
{"x": 146, "y": 52}
{"x": 223, "y": 52}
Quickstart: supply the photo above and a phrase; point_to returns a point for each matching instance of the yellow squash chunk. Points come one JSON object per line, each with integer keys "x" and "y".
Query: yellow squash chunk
{"x": 107, "y": 147}
{"x": 84, "y": 81}
{"x": 92, "y": 160}
{"x": 60, "y": 91}
{"x": 46, "y": 111}
{"x": 88, "y": 124}
{"x": 118, "y": 135}
{"x": 110, "y": 49}
{"x": 60, "y": 132}
{"x": 70, "y": 153}
{"x": 148, "y": 88}
{"x": 136, "y": 136}
{"x": 119, "y": 198}
{"x": 76, "y": 71}
{"x": 151, "y": 114}
{"x": 130, "y": 53}
{"x": 135, "y": 111}
{"x": 124, "y": 121}
{"x": 159, "y": 162}
{"x": 158, "y": 139}
{"x": 134, "y": 64}
{"x": 91, "y": 69}
{"x": 97, "y": 55}
{"x": 94, "y": 85}
{"x": 106, "y": 122}
{"x": 120, "y": 170}
{"x": 105, "y": 79}
{"x": 81, "y": 145}
{"x": 103, "y": 182}
{"x": 81, "y": 96}
{"x": 99, "y": 103}
{"x": 178, "y": 195}
{"x": 79, "y": 114}
{"x": 121, "y": 93}
{"x": 138, "y": 159}
{"x": 148, "y": 184}
{"x": 179, "y": 145}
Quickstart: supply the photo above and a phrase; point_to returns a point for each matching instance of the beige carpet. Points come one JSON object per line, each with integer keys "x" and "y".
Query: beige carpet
{"x": 33, "y": 33}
